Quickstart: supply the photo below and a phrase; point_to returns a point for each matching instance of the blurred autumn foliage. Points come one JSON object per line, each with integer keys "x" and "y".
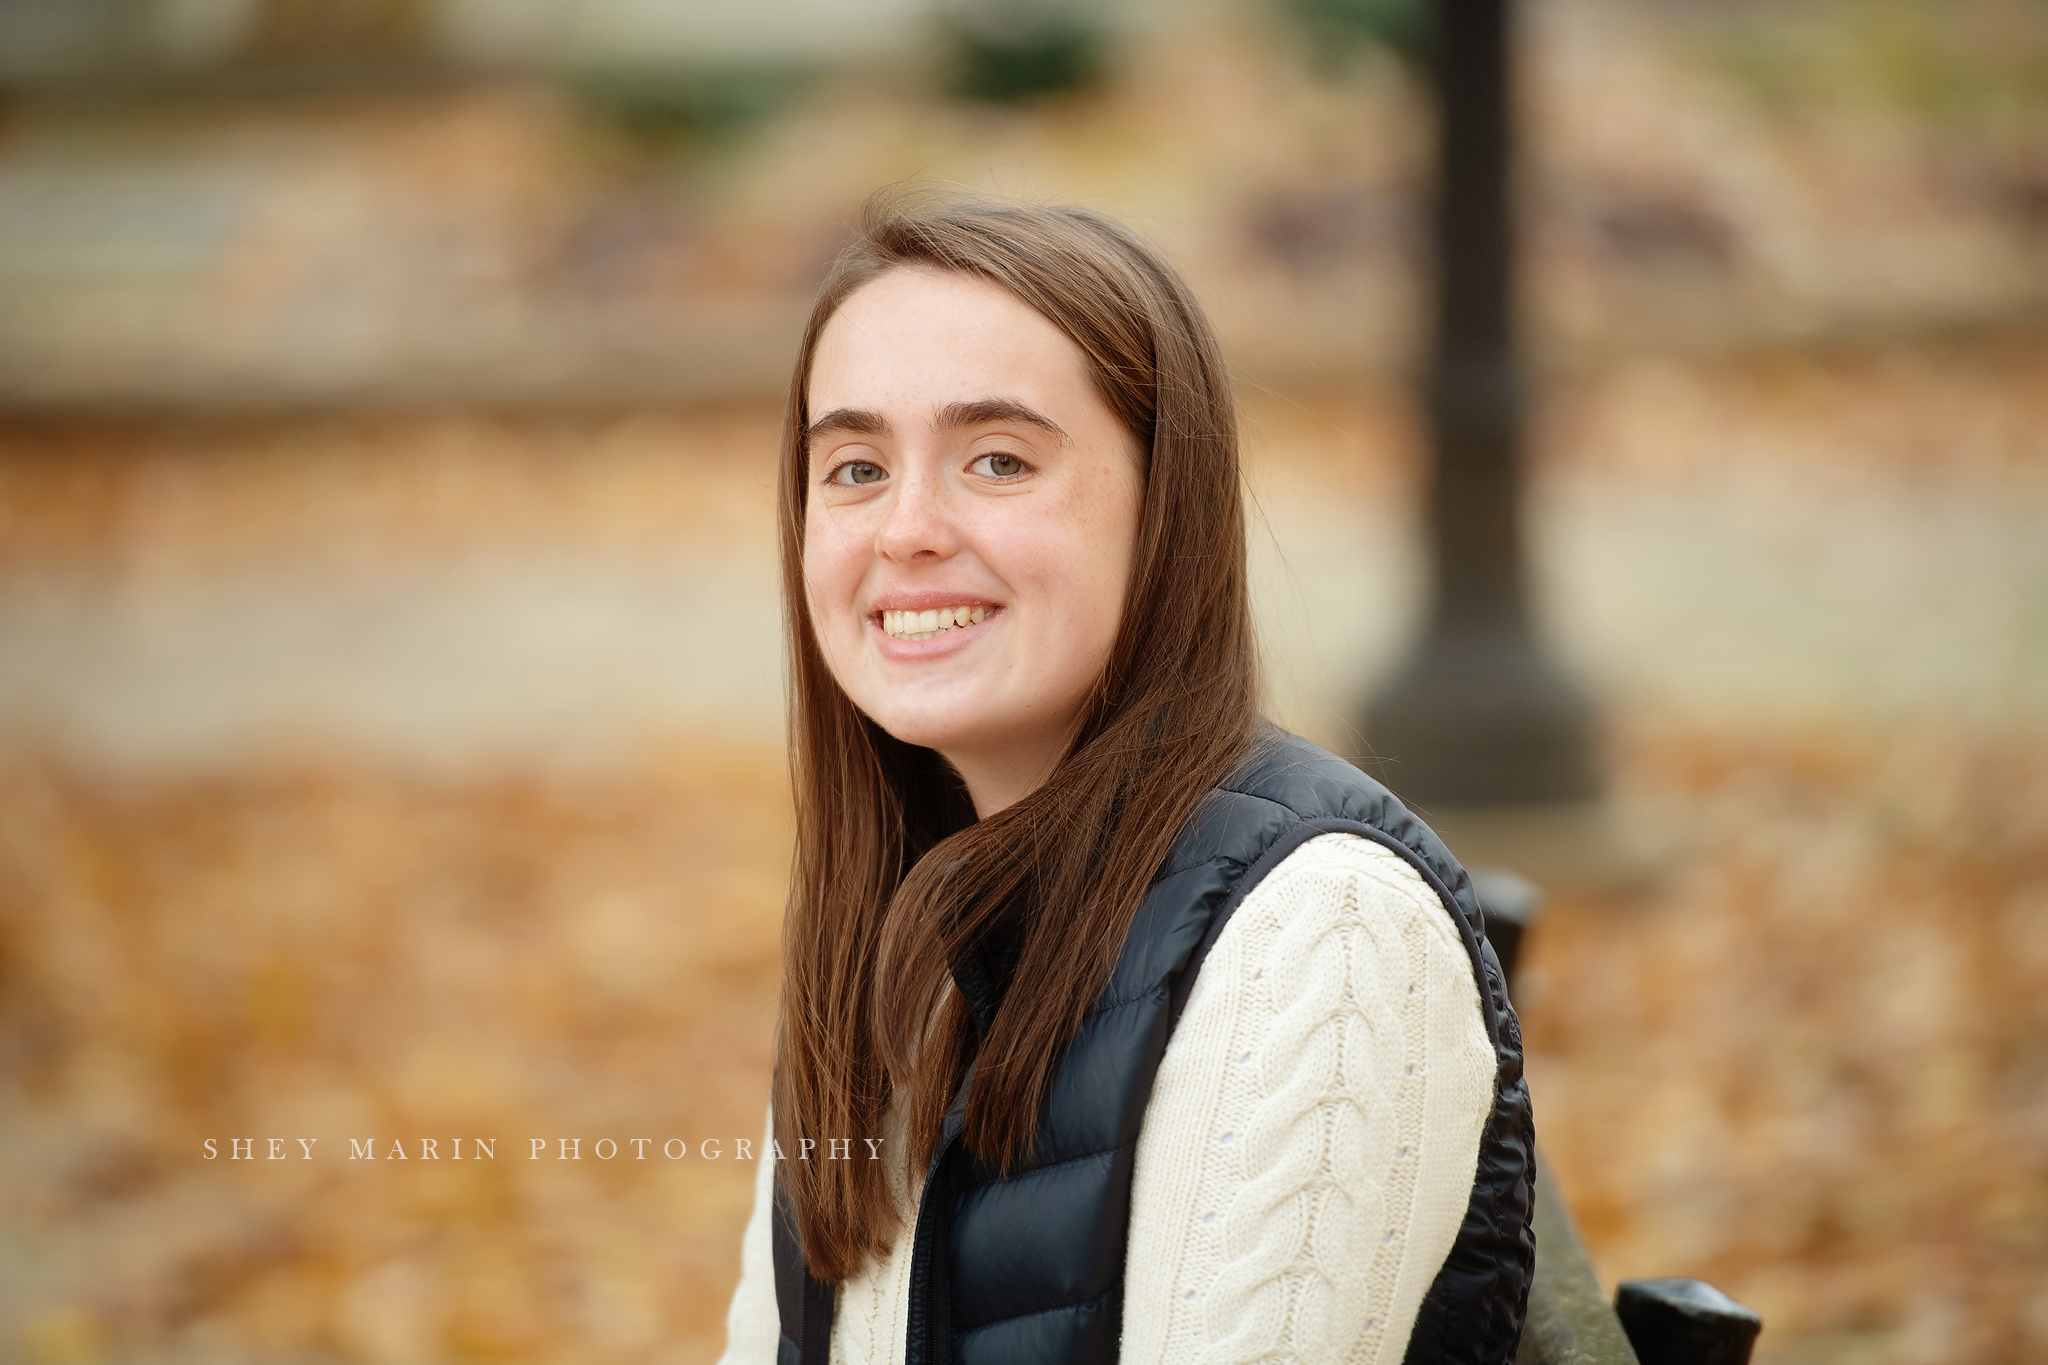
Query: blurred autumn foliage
{"x": 1809, "y": 1068}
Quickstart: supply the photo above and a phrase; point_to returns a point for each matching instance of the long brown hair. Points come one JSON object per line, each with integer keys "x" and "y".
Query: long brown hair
{"x": 893, "y": 881}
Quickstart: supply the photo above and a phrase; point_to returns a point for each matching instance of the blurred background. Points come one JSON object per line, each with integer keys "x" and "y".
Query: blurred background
{"x": 389, "y": 679}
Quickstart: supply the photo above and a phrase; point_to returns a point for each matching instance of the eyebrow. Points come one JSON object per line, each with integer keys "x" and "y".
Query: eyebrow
{"x": 983, "y": 411}
{"x": 980, "y": 412}
{"x": 853, "y": 421}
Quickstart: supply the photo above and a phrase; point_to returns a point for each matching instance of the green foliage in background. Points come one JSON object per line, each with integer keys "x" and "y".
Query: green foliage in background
{"x": 1336, "y": 32}
{"x": 673, "y": 102}
{"x": 1031, "y": 55}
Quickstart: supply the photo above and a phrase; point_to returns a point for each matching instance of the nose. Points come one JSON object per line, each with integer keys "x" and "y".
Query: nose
{"x": 918, "y": 525}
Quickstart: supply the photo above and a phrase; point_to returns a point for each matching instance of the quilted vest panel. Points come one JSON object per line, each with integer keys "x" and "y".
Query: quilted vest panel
{"x": 1029, "y": 1268}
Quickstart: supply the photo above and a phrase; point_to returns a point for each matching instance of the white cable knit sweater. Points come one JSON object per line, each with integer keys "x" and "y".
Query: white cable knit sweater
{"x": 1307, "y": 1153}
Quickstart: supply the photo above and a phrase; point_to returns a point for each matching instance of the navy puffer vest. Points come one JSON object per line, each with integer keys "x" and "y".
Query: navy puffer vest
{"x": 1031, "y": 1268}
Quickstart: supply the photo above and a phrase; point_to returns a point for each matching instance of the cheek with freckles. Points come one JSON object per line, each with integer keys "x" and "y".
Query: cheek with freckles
{"x": 831, "y": 580}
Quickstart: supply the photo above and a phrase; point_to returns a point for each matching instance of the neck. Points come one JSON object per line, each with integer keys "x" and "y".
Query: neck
{"x": 997, "y": 781}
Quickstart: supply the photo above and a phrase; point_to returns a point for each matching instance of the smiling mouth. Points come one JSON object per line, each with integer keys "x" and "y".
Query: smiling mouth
{"x": 925, "y": 625}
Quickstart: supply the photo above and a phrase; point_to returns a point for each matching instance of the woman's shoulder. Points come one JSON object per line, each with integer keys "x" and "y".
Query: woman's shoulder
{"x": 1344, "y": 878}
{"x": 1286, "y": 791}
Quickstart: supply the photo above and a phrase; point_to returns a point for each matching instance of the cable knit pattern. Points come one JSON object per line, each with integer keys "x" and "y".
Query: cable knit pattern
{"x": 1308, "y": 1152}
{"x": 1309, "y": 1146}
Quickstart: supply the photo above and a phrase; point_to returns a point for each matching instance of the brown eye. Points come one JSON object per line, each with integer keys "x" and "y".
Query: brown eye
{"x": 859, "y": 472}
{"x": 1002, "y": 466}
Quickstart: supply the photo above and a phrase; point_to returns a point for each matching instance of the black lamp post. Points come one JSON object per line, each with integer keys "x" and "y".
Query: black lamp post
{"x": 1478, "y": 716}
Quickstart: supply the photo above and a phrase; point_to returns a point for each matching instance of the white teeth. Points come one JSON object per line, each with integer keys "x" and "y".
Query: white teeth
{"x": 925, "y": 625}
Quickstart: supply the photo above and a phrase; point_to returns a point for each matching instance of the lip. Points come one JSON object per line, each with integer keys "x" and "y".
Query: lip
{"x": 927, "y": 600}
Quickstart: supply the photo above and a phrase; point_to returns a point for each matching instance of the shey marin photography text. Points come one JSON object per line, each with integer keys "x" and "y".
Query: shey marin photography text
{"x": 539, "y": 1149}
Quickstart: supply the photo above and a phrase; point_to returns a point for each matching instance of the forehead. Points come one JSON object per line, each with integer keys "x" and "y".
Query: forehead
{"x": 924, "y": 338}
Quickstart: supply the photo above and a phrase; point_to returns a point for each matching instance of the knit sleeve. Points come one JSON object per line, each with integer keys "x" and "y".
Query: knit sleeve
{"x": 1309, "y": 1147}
{"x": 752, "y": 1328}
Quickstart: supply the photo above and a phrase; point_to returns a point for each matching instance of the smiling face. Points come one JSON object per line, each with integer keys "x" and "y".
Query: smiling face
{"x": 970, "y": 523}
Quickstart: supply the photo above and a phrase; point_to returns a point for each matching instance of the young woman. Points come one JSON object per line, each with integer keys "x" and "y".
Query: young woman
{"x": 1144, "y": 1031}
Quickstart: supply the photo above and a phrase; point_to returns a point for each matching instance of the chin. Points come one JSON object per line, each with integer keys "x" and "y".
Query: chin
{"x": 930, "y": 717}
